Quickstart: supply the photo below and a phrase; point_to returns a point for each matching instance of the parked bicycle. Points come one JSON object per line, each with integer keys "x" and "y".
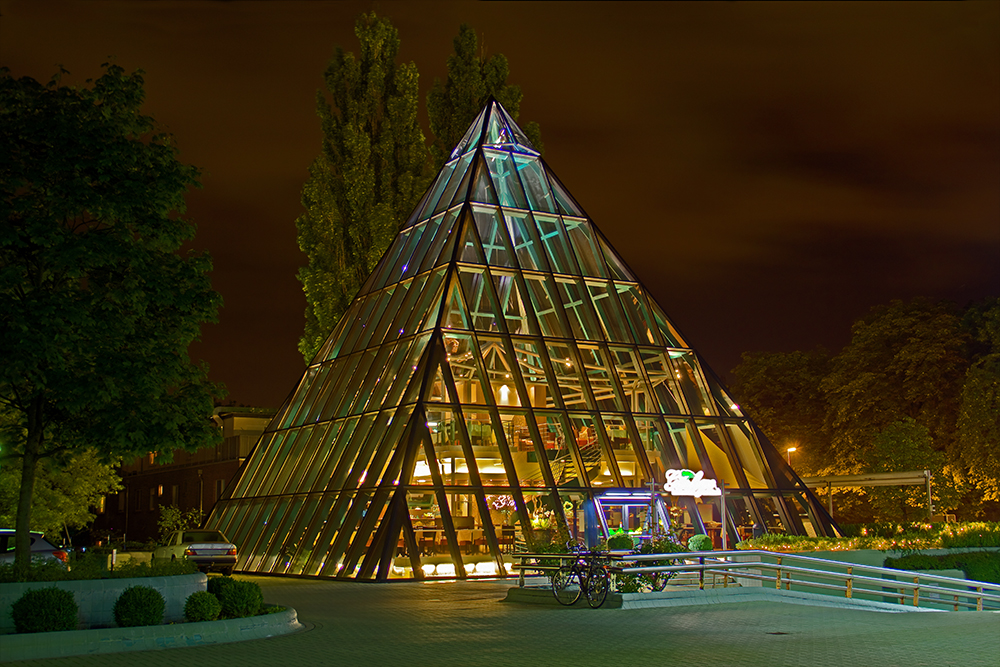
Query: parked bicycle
{"x": 586, "y": 574}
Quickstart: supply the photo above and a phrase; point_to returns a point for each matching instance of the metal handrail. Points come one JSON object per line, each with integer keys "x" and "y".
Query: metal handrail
{"x": 718, "y": 563}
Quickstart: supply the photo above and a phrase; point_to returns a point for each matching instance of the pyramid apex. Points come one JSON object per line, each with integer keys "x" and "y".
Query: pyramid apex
{"x": 493, "y": 126}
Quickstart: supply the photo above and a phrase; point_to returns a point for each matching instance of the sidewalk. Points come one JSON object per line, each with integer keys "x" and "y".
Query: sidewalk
{"x": 464, "y": 624}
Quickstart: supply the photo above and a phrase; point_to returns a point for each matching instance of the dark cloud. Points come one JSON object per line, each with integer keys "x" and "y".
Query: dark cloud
{"x": 769, "y": 170}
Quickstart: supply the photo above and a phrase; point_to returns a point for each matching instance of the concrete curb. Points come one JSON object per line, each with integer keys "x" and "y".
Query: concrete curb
{"x": 119, "y": 640}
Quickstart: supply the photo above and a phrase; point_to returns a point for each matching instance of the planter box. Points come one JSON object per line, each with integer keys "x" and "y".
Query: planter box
{"x": 96, "y": 597}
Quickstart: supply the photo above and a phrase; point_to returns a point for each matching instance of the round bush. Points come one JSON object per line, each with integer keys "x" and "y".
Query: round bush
{"x": 700, "y": 542}
{"x": 241, "y": 598}
{"x": 216, "y": 584}
{"x": 139, "y": 605}
{"x": 202, "y": 606}
{"x": 44, "y": 610}
{"x": 620, "y": 541}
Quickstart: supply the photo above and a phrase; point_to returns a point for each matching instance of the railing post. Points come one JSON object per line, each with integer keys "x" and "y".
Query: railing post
{"x": 979, "y": 600}
{"x": 850, "y": 582}
{"x": 955, "y": 606}
{"x": 916, "y": 591}
{"x": 701, "y": 573}
{"x": 520, "y": 572}
{"x": 777, "y": 579}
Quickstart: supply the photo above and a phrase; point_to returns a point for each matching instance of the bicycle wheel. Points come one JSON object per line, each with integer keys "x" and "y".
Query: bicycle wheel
{"x": 598, "y": 583}
{"x": 566, "y": 585}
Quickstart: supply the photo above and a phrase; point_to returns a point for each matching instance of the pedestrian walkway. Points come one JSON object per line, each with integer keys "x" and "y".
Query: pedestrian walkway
{"x": 463, "y": 624}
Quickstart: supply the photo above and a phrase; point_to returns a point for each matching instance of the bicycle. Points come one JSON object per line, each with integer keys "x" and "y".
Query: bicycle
{"x": 587, "y": 575}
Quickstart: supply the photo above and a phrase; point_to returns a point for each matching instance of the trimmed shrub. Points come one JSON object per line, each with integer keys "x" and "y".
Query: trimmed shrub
{"x": 241, "y": 598}
{"x": 44, "y": 610}
{"x": 700, "y": 542}
{"x": 620, "y": 542}
{"x": 202, "y": 606}
{"x": 216, "y": 584}
{"x": 138, "y": 606}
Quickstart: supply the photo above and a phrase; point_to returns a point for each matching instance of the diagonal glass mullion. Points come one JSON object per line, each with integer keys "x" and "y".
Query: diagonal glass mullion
{"x": 578, "y": 308}
{"x": 525, "y": 241}
{"x": 633, "y": 303}
{"x": 435, "y": 239}
{"x": 609, "y": 311}
{"x": 581, "y": 239}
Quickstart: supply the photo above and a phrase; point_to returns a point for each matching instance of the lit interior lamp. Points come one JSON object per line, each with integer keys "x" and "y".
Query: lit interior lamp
{"x": 788, "y": 454}
{"x": 446, "y": 570}
{"x": 428, "y": 568}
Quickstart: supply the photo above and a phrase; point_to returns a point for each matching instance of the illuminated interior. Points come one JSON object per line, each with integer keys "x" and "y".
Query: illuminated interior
{"x": 500, "y": 370}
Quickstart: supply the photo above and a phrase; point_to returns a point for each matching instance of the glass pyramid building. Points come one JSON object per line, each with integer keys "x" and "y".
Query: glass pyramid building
{"x": 501, "y": 380}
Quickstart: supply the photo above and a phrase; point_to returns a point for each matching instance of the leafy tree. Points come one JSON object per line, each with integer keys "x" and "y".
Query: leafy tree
{"x": 98, "y": 307}
{"x": 904, "y": 360}
{"x": 978, "y": 441}
{"x": 472, "y": 79}
{"x": 174, "y": 518}
{"x": 781, "y": 391}
{"x": 900, "y": 446}
{"x": 368, "y": 176}
{"x": 63, "y": 496}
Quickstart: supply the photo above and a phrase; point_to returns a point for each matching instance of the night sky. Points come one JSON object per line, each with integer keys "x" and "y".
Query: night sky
{"x": 770, "y": 171}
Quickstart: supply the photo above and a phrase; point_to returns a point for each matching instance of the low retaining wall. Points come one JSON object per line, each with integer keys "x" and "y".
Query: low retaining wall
{"x": 119, "y": 640}
{"x": 96, "y": 597}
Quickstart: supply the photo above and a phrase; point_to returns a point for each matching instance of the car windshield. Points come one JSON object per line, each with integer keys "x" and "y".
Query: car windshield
{"x": 203, "y": 536}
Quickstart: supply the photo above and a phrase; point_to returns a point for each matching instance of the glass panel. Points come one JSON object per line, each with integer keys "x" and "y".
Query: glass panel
{"x": 406, "y": 370}
{"x": 578, "y": 310}
{"x": 437, "y": 253}
{"x": 545, "y": 305}
{"x": 557, "y": 443}
{"x": 527, "y": 465}
{"x": 491, "y": 231}
{"x": 312, "y": 553}
{"x": 581, "y": 239}
{"x": 638, "y": 395}
{"x": 372, "y": 376}
{"x": 530, "y": 254}
{"x": 331, "y": 348}
{"x": 341, "y": 478}
{"x": 470, "y": 247}
{"x": 609, "y": 312}
{"x": 409, "y": 261}
{"x": 424, "y": 313}
{"x": 600, "y": 469}
{"x": 482, "y": 190}
{"x": 748, "y": 451}
{"x": 508, "y": 187}
{"x": 464, "y": 361}
{"x": 324, "y": 480}
{"x": 529, "y": 359}
{"x": 450, "y": 192}
{"x": 599, "y": 375}
{"x": 447, "y": 173}
{"x": 511, "y": 303}
{"x": 567, "y": 376}
{"x": 456, "y": 313}
{"x": 556, "y": 243}
{"x": 723, "y": 402}
{"x": 387, "y": 374}
{"x": 291, "y": 546}
{"x": 415, "y": 291}
{"x": 443, "y": 428}
{"x": 372, "y": 323}
{"x": 246, "y": 481}
{"x": 438, "y": 391}
{"x": 344, "y": 374}
{"x": 615, "y": 264}
{"x": 624, "y": 456}
{"x": 399, "y": 296}
{"x": 634, "y": 304}
{"x": 566, "y": 203}
{"x": 403, "y": 242}
{"x": 359, "y": 325}
{"x": 660, "y": 451}
{"x": 666, "y": 328}
{"x": 499, "y": 369}
{"x": 306, "y": 477}
{"x": 479, "y": 297}
{"x": 295, "y": 446}
{"x": 664, "y": 382}
{"x": 535, "y": 185}
{"x": 691, "y": 382}
{"x": 471, "y": 138}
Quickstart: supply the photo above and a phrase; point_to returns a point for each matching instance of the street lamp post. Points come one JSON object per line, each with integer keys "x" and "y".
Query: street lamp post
{"x": 788, "y": 454}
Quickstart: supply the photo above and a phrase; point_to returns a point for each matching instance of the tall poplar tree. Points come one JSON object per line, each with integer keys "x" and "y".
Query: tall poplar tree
{"x": 368, "y": 176}
{"x": 97, "y": 304}
{"x": 472, "y": 78}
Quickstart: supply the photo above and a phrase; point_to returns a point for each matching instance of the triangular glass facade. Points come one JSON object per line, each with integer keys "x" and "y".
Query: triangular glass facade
{"x": 501, "y": 379}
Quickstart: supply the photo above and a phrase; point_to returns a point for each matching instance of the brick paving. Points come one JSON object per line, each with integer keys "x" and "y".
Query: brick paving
{"x": 464, "y": 623}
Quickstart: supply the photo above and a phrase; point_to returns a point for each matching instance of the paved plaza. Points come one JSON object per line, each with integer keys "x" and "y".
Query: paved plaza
{"x": 465, "y": 623}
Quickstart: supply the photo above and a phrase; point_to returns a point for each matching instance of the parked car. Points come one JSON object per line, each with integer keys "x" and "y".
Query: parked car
{"x": 208, "y": 549}
{"x": 41, "y": 548}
